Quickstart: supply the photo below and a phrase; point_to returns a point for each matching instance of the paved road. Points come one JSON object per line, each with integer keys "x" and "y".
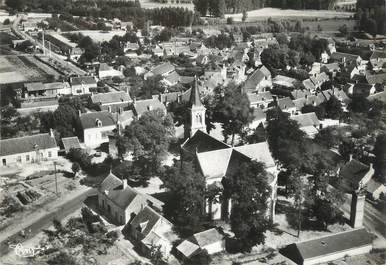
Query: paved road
{"x": 73, "y": 68}
{"x": 59, "y": 212}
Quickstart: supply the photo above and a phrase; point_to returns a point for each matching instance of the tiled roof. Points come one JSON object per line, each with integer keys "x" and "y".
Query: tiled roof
{"x": 284, "y": 80}
{"x": 207, "y": 237}
{"x": 306, "y": 119}
{"x": 297, "y": 93}
{"x": 378, "y": 96}
{"x": 145, "y": 220}
{"x": 259, "y": 114}
{"x": 378, "y": 54}
{"x": 285, "y": 103}
{"x": 26, "y": 144}
{"x": 37, "y": 86}
{"x": 128, "y": 198}
{"x": 56, "y": 85}
{"x": 341, "y": 55}
{"x": 71, "y": 143}
{"x": 187, "y": 248}
{"x": 111, "y": 97}
{"x": 214, "y": 164}
{"x": 308, "y": 84}
{"x": 141, "y": 106}
{"x": 173, "y": 77}
{"x": 257, "y": 77}
{"x": 87, "y": 80}
{"x": 353, "y": 172}
{"x": 88, "y": 120}
{"x": 104, "y": 67}
{"x": 163, "y": 68}
{"x": 259, "y": 97}
{"x": 376, "y": 78}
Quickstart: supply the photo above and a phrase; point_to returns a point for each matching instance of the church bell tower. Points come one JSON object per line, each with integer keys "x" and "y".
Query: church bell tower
{"x": 197, "y": 110}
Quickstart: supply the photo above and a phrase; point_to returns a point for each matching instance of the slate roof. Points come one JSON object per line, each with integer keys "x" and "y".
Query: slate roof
{"x": 194, "y": 100}
{"x": 207, "y": 237}
{"x": 163, "y": 68}
{"x": 71, "y": 143}
{"x": 111, "y": 97}
{"x": 306, "y": 119}
{"x": 110, "y": 182}
{"x": 26, "y": 144}
{"x": 88, "y": 120}
{"x": 258, "y": 151}
{"x": 127, "y": 198}
{"x": 330, "y": 67}
{"x": 87, "y": 80}
{"x": 330, "y": 244}
{"x": 202, "y": 142}
{"x": 141, "y": 106}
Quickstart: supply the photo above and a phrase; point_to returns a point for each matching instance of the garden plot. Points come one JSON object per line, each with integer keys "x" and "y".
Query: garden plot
{"x": 15, "y": 69}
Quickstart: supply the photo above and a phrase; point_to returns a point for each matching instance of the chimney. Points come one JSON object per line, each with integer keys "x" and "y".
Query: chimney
{"x": 79, "y": 113}
{"x": 127, "y": 90}
{"x": 351, "y": 156}
{"x": 124, "y": 183}
{"x": 357, "y": 209}
{"x": 179, "y": 97}
{"x": 52, "y": 133}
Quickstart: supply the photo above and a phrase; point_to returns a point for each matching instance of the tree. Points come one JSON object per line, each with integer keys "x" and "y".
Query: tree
{"x": 232, "y": 110}
{"x": 333, "y": 108}
{"x": 245, "y": 16}
{"x": 152, "y": 86}
{"x": 320, "y": 110}
{"x": 327, "y": 137}
{"x": 201, "y": 6}
{"x": 6, "y": 21}
{"x": 75, "y": 168}
{"x": 380, "y": 157}
{"x": 66, "y": 119}
{"x": 230, "y": 20}
{"x": 156, "y": 255}
{"x": 250, "y": 193}
{"x": 185, "y": 206}
{"x": 343, "y": 30}
{"x": 359, "y": 104}
{"x": 17, "y": 5}
{"x": 202, "y": 258}
{"x": 258, "y": 135}
{"x": 148, "y": 139}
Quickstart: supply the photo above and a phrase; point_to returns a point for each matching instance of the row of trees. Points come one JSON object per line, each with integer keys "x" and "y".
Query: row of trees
{"x": 372, "y": 16}
{"x": 218, "y": 8}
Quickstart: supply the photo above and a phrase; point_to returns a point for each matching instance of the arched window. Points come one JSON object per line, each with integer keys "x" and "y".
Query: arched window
{"x": 98, "y": 123}
{"x": 198, "y": 118}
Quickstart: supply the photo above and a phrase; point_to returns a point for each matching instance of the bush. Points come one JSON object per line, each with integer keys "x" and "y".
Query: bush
{"x": 6, "y": 21}
{"x": 230, "y": 20}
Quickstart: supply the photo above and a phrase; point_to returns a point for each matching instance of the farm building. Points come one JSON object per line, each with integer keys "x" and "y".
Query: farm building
{"x": 329, "y": 248}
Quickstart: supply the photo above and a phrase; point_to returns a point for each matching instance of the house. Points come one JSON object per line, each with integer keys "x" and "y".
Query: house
{"x": 286, "y": 105}
{"x": 210, "y": 240}
{"x": 260, "y": 100}
{"x": 112, "y": 101}
{"x": 309, "y": 85}
{"x": 355, "y": 175}
{"x": 375, "y": 189}
{"x": 105, "y": 71}
{"x": 378, "y": 60}
{"x": 121, "y": 202}
{"x": 217, "y": 161}
{"x": 123, "y": 119}
{"x": 74, "y": 54}
{"x": 47, "y": 90}
{"x": 284, "y": 81}
{"x": 259, "y": 117}
{"x": 96, "y": 127}
{"x": 361, "y": 89}
{"x": 345, "y": 58}
{"x": 297, "y": 93}
{"x": 331, "y": 68}
{"x": 163, "y": 70}
{"x": 308, "y": 122}
{"x": 259, "y": 81}
{"x": 319, "y": 79}
{"x": 70, "y": 143}
{"x": 28, "y": 149}
{"x": 329, "y": 248}
{"x": 376, "y": 79}
{"x": 142, "y": 106}
{"x": 81, "y": 85}
{"x": 149, "y": 229}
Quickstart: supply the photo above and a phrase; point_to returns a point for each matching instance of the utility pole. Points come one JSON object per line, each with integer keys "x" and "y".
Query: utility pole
{"x": 44, "y": 50}
{"x": 56, "y": 179}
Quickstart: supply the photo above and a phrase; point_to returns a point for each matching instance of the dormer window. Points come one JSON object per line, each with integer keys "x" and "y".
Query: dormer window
{"x": 98, "y": 123}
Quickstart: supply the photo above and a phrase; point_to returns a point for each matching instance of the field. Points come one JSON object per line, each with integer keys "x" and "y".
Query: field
{"x": 265, "y": 13}
{"x": 100, "y": 36}
{"x": 15, "y": 69}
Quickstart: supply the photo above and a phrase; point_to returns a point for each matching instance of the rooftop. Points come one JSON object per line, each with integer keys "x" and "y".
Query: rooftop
{"x": 26, "y": 144}
{"x": 89, "y": 120}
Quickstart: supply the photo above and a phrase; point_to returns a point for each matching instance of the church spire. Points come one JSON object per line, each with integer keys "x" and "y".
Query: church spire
{"x": 195, "y": 95}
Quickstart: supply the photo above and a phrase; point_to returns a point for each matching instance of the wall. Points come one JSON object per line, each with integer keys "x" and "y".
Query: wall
{"x": 12, "y": 159}
{"x": 93, "y": 137}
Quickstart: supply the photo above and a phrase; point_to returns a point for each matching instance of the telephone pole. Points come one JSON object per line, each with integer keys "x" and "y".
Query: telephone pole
{"x": 56, "y": 179}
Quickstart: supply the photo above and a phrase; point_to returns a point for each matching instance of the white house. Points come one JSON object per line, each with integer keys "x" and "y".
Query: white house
{"x": 259, "y": 80}
{"x": 81, "y": 85}
{"x": 106, "y": 71}
{"x": 375, "y": 189}
{"x": 355, "y": 175}
{"x": 28, "y": 149}
{"x": 96, "y": 127}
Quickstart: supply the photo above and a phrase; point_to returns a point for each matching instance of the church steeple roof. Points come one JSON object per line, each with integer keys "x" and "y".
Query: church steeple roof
{"x": 195, "y": 95}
